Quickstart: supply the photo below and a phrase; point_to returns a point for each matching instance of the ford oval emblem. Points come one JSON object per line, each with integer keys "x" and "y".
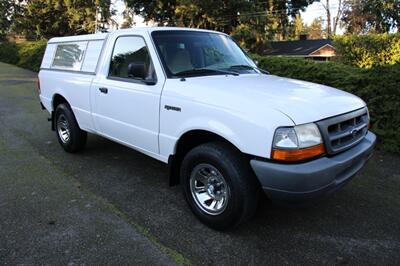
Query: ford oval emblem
{"x": 354, "y": 132}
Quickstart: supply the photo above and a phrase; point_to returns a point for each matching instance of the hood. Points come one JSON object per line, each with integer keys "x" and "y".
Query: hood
{"x": 301, "y": 101}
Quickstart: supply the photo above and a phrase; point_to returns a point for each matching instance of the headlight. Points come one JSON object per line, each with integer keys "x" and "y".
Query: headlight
{"x": 297, "y": 143}
{"x": 286, "y": 138}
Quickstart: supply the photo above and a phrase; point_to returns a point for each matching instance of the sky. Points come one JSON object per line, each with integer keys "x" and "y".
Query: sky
{"x": 316, "y": 10}
{"x": 312, "y": 12}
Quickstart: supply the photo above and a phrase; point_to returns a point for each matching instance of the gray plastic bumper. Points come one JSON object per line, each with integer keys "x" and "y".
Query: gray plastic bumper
{"x": 310, "y": 180}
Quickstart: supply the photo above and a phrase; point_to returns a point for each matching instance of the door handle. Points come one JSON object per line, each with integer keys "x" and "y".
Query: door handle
{"x": 103, "y": 90}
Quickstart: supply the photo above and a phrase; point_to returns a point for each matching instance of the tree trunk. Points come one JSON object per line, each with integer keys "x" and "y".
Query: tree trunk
{"x": 328, "y": 20}
{"x": 337, "y": 18}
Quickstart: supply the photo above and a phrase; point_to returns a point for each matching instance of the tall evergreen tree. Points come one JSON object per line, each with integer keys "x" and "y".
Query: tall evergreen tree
{"x": 363, "y": 16}
{"x": 8, "y": 9}
{"x": 45, "y": 19}
{"x": 315, "y": 30}
{"x": 298, "y": 27}
{"x": 128, "y": 17}
{"x": 267, "y": 17}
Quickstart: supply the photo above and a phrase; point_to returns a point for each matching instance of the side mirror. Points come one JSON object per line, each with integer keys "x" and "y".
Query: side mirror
{"x": 137, "y": 70}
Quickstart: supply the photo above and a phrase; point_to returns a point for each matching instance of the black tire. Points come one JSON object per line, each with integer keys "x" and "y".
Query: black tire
{"x": 77, "y": 137}
{"x": 242, "y": 184}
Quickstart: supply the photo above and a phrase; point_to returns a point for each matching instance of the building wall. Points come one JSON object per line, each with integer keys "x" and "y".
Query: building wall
{"x": 325, "y": 51}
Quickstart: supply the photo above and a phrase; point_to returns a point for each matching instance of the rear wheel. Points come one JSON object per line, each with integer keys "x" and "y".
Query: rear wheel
{"x": 219, "y": 185}
{"x": 69, "y": 135}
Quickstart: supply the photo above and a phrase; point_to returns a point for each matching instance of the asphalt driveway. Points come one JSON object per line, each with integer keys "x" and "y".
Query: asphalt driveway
{"x": 112, "y": 204}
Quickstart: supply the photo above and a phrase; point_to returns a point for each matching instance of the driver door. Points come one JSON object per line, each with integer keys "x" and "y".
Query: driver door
{"x": 126, "y": 108}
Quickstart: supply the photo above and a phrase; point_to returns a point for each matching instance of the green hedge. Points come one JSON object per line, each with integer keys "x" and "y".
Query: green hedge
{"x": 27, "y": 55}
{"x": 378, "y": 86}
{"x": 329, "y": 73}
{"x": 30, "y": 54}
{"x": 367, "y": 51}
{"x": 9, "y": 53}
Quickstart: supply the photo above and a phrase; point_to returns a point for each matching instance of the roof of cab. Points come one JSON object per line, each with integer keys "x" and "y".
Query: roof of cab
{"x": 103, "y": 36}
{"x": 151, "y": 29}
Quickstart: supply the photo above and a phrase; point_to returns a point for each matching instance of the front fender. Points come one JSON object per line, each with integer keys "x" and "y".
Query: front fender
{"x": 250, "y": 133}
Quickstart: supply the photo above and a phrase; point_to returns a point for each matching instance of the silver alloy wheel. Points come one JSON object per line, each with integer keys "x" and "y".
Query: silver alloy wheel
{"x": 63, "y": 129}
{"x": 209, "y": 189}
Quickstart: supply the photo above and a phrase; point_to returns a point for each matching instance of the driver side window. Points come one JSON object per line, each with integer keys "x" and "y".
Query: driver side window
{"x": 130, "y": 52}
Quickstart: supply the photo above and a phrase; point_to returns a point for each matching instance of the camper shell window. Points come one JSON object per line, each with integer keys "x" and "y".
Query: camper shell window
{"x": 69, "y": 56}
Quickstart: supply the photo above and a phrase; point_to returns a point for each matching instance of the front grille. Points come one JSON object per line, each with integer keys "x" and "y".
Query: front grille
{"x": 344, "y": 131}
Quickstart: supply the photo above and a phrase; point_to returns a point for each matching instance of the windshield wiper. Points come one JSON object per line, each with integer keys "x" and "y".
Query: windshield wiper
{"x": 250, "y": 67}
{"x": 199, "y": 71}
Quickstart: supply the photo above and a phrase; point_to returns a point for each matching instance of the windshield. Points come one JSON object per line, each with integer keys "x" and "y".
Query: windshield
{"x": 196, "y": 53}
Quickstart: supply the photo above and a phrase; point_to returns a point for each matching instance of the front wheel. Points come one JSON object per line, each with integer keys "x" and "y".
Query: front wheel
{"x": 219, "y": 185}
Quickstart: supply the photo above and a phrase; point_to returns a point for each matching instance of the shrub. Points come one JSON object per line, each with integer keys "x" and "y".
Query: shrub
{"x": 30, "y": 54}
{"x": 367, "y": 51}
{"x": 381, "y": 91}
{"x": 27, "y": 55}
{"x": 9, "y": 53}
{"x": 329, "y": 73}
{"x": 378, "y": 86}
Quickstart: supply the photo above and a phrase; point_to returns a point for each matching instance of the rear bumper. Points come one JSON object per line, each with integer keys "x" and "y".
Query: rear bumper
{"x": 290, "y": 183}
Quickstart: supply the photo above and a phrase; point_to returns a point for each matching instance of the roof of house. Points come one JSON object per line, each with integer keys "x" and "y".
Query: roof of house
{"x": 298, "y": 48}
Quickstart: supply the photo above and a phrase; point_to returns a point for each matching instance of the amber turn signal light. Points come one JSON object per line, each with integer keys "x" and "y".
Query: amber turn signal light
{"x": 298, "y": 154}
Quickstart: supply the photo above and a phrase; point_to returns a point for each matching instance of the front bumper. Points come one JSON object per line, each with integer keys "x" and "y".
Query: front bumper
{"x": 291, "y": 183}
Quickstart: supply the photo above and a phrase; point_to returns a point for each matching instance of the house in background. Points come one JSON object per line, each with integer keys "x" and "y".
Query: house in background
{"x": 320, "y": 50}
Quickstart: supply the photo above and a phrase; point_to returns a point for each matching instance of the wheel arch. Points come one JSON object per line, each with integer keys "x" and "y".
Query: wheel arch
{"x": 188, "y": 141}
{"x": 57, "y": 100}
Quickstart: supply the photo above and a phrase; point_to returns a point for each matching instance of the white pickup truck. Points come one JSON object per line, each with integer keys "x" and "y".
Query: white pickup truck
{"x": 194, "y": 100}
